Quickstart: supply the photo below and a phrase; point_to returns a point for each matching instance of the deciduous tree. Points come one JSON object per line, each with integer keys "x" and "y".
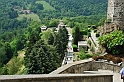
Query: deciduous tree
{"x": 113, "y": 42}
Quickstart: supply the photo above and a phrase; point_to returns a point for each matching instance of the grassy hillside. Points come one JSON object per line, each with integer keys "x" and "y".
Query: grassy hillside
{"x": 34, "y": 17}
{"x": 16, "y": 64}
{"x": 46, "y": 5}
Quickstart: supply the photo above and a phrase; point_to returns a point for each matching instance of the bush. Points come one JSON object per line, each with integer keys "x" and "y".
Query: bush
{"x": 116, "y": 60}
{"x": 95, "y": 58}
{"x": 97, "y": 35}
{"x": 89, "y": 30}
{"x": 92, "y": 49}
{"x": 89, "y": 42}
{"x": 98, "y": 58}
{"x": 74, "y": 47}
{"x": 108, "y": 57}
{"x": 89, "y": 34}
{"x": 84, "y": 56}
{"x": 83, "y": 32}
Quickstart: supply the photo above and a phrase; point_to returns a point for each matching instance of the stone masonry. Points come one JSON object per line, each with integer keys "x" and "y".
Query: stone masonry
{"x": 115, "y": 16}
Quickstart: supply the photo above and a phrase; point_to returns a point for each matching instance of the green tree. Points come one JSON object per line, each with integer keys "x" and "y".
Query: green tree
{"x": 41, "y": 58}
{"x": 113, "y": 42}
{"x": 13, "y": 14}
{"x": 46, "y": 34}
{"x": 82, "y": 55}
{"x": 40, "y": 6}
{"x": 6, "y": 53}
{"x": 76, "y": 35}
{"x": 8, "y": 49}
{"x": 61, "y": 41}
{"x": 3, "y": 57}
{"x": 51, "y": 39}
{"x": 53, "y": 23}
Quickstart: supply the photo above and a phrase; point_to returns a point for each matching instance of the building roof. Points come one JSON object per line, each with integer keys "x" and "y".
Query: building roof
{"x": 82, "y": 43}
{"x": 43, "y": 27}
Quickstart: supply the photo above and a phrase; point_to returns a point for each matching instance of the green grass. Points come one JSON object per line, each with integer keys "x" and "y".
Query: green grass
{"x": 35, "y": 17}
{"x": 46, "y": 5}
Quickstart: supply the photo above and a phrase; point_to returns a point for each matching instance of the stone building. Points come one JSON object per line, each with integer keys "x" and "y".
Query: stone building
{"x": 115, "y": 16}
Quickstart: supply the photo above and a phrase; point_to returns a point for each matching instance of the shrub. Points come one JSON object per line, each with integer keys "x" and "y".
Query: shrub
{"x": 89, "y": 34}
{"x": 108, "y": 59}
{"x": 89, "y": 30}
{"x": 100, "y": 57}
{"x": 97, "y": 35}
{"x": 95, "y": 30}
{"x": 95, "y": 58}
{"x": 89, "y": 42}
{"x": 83, "y": 56}
{"x": 83, "y": 32}
{"x": 92, "y": 49}
{"x": 116, "y": 60}
{"x": 74, "y": 48}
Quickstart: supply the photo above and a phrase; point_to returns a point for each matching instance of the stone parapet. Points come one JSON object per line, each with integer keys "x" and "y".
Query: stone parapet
{"x": 88, "y": 65}
{"x": 80, "y": 71}
{"x": 58, "y": 78}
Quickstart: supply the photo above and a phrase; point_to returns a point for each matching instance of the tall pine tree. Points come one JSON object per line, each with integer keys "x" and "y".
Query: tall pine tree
{"x": 41, "y": 59}
{"x": 61, "y": 41}
{"x": 76, "y": 35}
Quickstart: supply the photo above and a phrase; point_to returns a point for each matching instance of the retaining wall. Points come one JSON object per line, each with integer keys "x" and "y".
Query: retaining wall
{"x": 81, "y": 66}
{"x": 58, "y": 78}
{"x": 73, "y": 72}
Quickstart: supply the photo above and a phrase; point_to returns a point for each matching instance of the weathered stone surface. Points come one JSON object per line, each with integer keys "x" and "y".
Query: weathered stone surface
{"x": 115, "y": 17}
{"x": 58, "y": 78}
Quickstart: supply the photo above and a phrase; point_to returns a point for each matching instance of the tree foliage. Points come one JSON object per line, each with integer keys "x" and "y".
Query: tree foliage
{"x": 76, "y": 35}
{"x": 113, "y": 42}
{"x": 5, "y": 53}
{"x": 41, "y": 58}
{"x": 61, "y": 41}
{"x": 51, "y": 39}
{"x": 79, "y": 7}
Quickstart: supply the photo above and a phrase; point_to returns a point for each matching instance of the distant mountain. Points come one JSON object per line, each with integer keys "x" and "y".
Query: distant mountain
{"x": 80, "y": 7}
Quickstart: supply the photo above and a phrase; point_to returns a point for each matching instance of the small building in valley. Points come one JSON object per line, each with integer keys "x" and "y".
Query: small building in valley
{"x": 82, "y": 44}
{"x": 43, "y": 28}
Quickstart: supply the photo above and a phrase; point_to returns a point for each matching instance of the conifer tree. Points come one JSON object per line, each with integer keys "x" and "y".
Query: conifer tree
{"x": 76, "y": 35}
{"x": 41, "y": 59}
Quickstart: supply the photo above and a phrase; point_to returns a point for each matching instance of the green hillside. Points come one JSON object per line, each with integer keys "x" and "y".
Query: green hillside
{"x": 34, "y": 17}
{"x": 46, "y": 5}
{"x": 19, "y": 29}
{"x": 80, "y": 7}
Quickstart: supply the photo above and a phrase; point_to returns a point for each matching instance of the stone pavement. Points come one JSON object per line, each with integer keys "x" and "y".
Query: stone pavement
{"x": 116, "y": 76}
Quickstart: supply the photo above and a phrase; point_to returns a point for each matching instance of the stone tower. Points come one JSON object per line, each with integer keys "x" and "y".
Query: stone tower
{"x": 115, "y": 13}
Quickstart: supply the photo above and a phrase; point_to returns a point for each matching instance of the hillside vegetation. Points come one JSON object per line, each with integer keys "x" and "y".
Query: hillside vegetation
{"x": 46, "y": 5}
{"x": 33, "y": 17}
{"x": 20, "y": 29}
{"x": 79, "y": 7}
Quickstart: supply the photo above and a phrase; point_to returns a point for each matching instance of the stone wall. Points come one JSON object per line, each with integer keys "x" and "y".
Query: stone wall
{"x": 58, "y": 78}
{"x": 73, "y": 72}
{"x": 115, "y": 15}
{"x": 81, "y": 66}
{"x": 106, "y": 66}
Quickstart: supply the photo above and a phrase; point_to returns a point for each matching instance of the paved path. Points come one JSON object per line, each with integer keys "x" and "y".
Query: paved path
{"x": 116, "y": 76}
{"x": 69, "y": 54}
